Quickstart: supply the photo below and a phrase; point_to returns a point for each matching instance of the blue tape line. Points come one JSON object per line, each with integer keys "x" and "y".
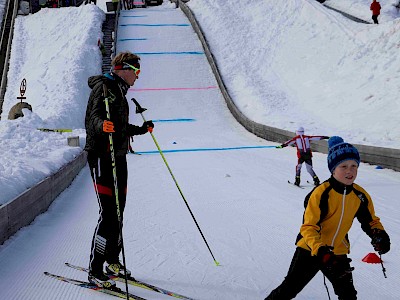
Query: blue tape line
{"x": 205, "y": 149}
{"x": 166, "y": 53}
{"x": 174, "y": 120}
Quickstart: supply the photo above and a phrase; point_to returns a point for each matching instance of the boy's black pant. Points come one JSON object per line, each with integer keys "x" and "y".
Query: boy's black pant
{"x": 375, "y": 18}
{"x": 303, "y": 268}
{"x": 106, "y": 243}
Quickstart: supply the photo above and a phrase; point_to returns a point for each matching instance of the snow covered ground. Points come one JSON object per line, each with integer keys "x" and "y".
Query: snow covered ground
{"x": 360, "y": 9}
{"x": 248, "y": 213}
{"x": 298, "y": 63}
{"x": 343, "y": 77}
{"x": 55, "y": 50}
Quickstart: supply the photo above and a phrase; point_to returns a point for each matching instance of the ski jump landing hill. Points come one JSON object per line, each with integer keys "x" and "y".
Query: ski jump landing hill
{"x": 384, "y": 157}
{"x": 22, "y": 210}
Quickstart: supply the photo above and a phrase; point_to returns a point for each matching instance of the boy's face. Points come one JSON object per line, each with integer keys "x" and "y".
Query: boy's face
{"x": 346, "y": 172}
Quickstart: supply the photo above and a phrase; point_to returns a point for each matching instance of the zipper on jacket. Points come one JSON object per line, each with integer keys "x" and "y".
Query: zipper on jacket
{"x": 341, "y": 219}
{"x": 344, "y": 242}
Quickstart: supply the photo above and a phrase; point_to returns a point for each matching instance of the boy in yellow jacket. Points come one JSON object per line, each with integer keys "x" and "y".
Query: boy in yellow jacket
{"x": 323, "y": 244}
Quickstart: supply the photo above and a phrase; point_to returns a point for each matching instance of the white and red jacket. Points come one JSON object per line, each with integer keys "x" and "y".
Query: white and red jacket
{"x": 302, "y": 142}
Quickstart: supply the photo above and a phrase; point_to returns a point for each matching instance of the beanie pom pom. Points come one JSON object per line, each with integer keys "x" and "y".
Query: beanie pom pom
{"x": 335, "y": 140}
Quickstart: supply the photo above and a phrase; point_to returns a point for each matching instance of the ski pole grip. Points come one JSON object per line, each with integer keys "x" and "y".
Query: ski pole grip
{"x": 139, "y": 109}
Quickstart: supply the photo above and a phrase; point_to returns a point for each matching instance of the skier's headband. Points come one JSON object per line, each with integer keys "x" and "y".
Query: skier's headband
{"x": 126, "y": 66}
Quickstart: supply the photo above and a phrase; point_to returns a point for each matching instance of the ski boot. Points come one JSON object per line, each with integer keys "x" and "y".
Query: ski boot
{"x": 316, "y": 180}
{"x": 297, "y": 181}
{"x": 117, "y": 269}
{"x": 102, "y": 281}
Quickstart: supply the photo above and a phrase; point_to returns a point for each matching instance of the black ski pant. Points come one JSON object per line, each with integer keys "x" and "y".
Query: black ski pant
{"x": 303, "y": 268}
{"x": 375, "y": 18}
{"x": 106, "y": 243}
{"x": 305, "y": 157}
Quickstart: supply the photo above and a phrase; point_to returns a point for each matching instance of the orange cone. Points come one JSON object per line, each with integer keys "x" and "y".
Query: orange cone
{"x": 372, "y": 258}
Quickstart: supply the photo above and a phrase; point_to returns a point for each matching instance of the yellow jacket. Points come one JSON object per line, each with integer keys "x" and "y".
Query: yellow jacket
{"x": 329, "y": 213}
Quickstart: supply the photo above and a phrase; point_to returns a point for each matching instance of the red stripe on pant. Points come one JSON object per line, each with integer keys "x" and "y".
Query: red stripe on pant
{"x": 104, "y": 190}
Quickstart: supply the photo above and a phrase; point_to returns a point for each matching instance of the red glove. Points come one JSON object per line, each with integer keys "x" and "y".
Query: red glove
{"x": 108, "y": 126}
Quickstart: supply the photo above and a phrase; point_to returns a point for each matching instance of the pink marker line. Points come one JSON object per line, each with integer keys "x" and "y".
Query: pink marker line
{"x": 173, "y": 89}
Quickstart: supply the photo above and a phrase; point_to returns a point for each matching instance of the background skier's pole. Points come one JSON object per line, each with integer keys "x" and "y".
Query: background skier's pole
{"x": 140, "y": 110}
{"x": 116, "y": 189}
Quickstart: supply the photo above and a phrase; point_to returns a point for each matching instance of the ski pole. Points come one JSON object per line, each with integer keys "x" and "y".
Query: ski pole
{"x": 326, "y": 287}
{"x": 383, "y": 268}
{"x": 140, "y": 110}
{"x": 114, "y": 168}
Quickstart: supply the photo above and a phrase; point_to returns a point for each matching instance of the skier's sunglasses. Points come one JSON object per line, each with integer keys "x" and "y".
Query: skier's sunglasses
{"x": 137, "y": 70}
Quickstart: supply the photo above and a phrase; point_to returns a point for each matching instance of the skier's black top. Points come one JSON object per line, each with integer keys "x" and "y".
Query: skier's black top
{"x": 96, "y": 140}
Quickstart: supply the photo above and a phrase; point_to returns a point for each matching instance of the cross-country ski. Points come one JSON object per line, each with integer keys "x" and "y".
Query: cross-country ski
{"x": 292, "y": 183}
{"x": 137, "y": 283}
{"x": 116, "y": 292}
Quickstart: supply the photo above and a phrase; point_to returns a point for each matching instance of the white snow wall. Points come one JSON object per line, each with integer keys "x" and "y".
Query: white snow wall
{"x": 22, "y": 210}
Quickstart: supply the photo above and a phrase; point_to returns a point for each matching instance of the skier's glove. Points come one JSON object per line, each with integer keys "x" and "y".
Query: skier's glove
{"x": 326, "y": 255}
{"x": 325, "y": 138}
{"x": 334, "y": 265}
{"x": 380, "y": 241}
{"x": 281, "y": 146}
{"x": 108, "y": 126}
{"x": 148, "y": 126}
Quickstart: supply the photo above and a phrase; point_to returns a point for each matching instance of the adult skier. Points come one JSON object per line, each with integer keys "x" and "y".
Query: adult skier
{"x": 106, "y": 243}
{"x": 304, "y": 153}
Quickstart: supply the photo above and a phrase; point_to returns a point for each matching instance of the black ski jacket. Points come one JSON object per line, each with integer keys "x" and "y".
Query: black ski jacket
{"x": 97, "y": 140}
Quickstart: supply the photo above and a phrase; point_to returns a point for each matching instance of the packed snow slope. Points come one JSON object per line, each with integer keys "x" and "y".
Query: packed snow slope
{"x": 248, "y": 213}
{"x": 295, "y": 62}
{"x": 55, "y": 51}
{"x": 286, "y": 64}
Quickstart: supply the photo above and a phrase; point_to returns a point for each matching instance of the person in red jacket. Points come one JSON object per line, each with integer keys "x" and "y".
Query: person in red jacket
{"x": 304, "y": 153}
{"x": 376, "y": 10}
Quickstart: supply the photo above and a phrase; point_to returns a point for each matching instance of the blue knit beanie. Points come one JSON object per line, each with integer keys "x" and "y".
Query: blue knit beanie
{"x": 339, "y": 151}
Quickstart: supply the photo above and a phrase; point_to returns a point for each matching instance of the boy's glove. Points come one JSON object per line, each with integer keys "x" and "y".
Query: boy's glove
{"x": 148, "y": 126}
{"x": 380, "y": 241}
{"x": 325, "y": 138}
{"x": 108, "y": 126}
{"x": 335, "y": 265}
{"x": 281, "y": 146}
{"x": 326, "y": 255}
